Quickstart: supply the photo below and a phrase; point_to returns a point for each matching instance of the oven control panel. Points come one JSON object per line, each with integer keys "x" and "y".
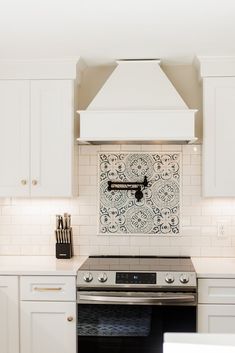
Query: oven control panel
{"x": 136, "y": 278}
{"x": 132, "y": 278}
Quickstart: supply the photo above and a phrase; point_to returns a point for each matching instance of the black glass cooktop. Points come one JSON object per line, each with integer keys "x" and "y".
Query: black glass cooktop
{"x": 136, "y": 263}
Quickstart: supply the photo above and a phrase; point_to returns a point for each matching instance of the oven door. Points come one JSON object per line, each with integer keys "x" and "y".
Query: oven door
{"x": 131, "y": 322}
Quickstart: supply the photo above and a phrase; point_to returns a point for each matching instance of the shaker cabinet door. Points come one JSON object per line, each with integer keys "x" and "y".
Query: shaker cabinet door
{"x": 48, "y": 327}
{"x": 216, "y": 318}
{"x": 51, "y": 138}
{"x": 14, "y": 138}
{"x": 9, "y": 315}
{"x": 218, "y": 136}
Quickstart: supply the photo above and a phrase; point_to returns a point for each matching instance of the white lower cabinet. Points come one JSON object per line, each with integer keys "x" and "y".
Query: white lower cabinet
{"x": 216, "y": 318}
{"x": 9, "y": 314}
{"x": 216, "y": 305}
{"x": 48, "y": 314}
{"x": 48, "y": 327}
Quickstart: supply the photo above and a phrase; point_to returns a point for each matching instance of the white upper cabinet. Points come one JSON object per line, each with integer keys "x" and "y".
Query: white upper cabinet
{"x": 219, "y": 142}
{"x": 218, "y": 126}
{"x": 51, "y": 137}
{"x": 37, "y": 131}
{"x": 14, "y": 137}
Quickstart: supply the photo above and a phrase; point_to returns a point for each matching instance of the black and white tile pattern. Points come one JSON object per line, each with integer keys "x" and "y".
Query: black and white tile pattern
{"x": 158, "y": 211}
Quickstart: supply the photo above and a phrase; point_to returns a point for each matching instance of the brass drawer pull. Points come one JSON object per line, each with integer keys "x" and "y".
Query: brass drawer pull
{"x": 69, "y": 318}
{"x": 42, "y": 289}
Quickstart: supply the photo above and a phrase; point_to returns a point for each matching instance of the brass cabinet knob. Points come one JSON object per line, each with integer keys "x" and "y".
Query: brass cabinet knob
{"x": 23, "y": 182}
{"x": 69, "y": 318}
{"x": 34, "y": 182}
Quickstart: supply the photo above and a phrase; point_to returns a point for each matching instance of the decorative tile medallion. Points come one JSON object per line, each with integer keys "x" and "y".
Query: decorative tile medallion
{"x": 158, "y": 211}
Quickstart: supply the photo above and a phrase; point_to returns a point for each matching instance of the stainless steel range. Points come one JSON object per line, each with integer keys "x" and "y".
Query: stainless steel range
{"x": 125, "y": 304}
{"x": 143, "y": 272}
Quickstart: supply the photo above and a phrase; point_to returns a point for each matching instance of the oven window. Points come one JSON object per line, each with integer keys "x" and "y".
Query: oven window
{"x": 130, "y": 328}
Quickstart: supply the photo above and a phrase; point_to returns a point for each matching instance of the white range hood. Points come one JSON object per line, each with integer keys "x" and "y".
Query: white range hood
{"x": 137, "y": 104}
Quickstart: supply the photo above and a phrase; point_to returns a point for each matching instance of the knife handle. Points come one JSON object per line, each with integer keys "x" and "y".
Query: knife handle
{"x": 58, "y": 221}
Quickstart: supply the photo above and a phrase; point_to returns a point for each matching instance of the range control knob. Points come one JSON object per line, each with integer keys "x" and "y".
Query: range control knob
{"x": 169, "y": 278}
{"x": 102, "y": 277}
{"x": 88, "y": 277}
{"x": 184, "y": 278}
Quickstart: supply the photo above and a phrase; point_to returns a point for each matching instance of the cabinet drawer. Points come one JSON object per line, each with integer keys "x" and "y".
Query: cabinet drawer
{"x": 48, "y": 288}
{"x": 216, "y": 291}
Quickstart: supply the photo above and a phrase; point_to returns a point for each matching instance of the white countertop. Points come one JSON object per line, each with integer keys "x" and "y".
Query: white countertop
{"x": 40, "y": 265}
{"x": 214, "y": 267}
{"x": 205, "y": 267}
{"x": 198, "y": 343}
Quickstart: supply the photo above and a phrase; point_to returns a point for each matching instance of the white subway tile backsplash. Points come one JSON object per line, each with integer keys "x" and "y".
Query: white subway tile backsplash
{"x": 201, "y": 241}
{"x": 149, "y": 251}
{"x": 87, "y": 190}
{"x": 228, "y": 251}
{"x": 5, "y": 201}
{"x": 186, "y": 200}
{"x": 191, "y": 190}
{"x": 151, "y": 148}
{"x": 110, "y": 148}
{"x": 86, "y": 210}
{"x": 87, "y": 170}
{"x": 81, "y": 220}
{"x": 5, "y": 239}
{"x": 139, "y": 241}
{"x": 186, "y": 180}
{"x": 195, "y": 180}
{"x": 27, "y": 225}
{"x": 93, "y": 160}
{"x": 88, "y": 230}
{"x": 191, "y": 211}
{"x": 209, "y": 231}
{"x": 211, "y": 251}
{"x": 186, "y": 159}
{"x": 131, "y": 148}
{"x": 190, "y": 251}
{"x": 93, "y": 180}
{"x": 190, "y": 231}
{"x": 32, "y": 230}
{"x": 159, "y": 241}
{"x": 9, "y": 229}
{"x": 195, "y": 159}
{"x": 169, "y": 250}
{"x": 200, "y": 220}
{"x": 11, "y": 249}
{"x": 84, "y": 160}
{"x": 47, "y": 229}
{"x": 186, "y": 221}
{"x": 88, "y": 150}
{"x": 216, "y": 241}
{"x": 5, "y": 220}
{"x": 84, "y": 180}
{"x": 125, "y": 250}
{"x": 172, "y": 148}
{"x": 192, "y": 149}
{"x": 191, "y": 169}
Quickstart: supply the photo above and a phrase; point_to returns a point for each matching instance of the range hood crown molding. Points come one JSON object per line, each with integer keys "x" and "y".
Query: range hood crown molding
{"x": 137, "y": 103}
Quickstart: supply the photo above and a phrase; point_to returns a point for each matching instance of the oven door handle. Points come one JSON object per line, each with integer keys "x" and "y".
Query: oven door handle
{"x": 173, "y": 299}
